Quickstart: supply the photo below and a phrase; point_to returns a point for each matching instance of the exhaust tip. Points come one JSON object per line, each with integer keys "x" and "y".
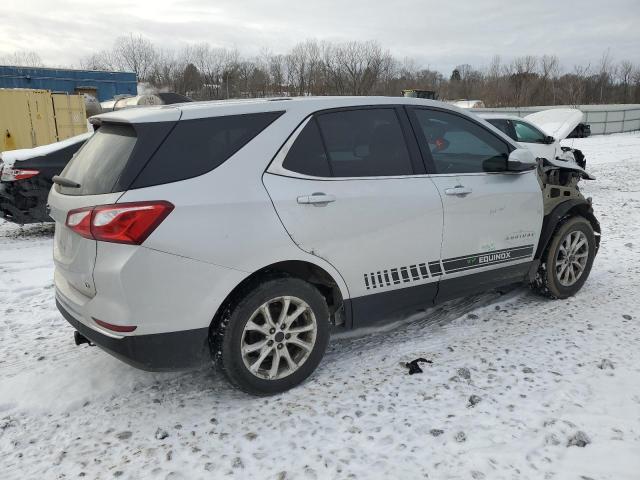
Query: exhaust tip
{"x": 80, "y": 339}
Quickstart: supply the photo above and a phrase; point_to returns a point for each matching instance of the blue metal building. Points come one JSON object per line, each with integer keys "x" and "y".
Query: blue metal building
{"x": 104, "y": 85}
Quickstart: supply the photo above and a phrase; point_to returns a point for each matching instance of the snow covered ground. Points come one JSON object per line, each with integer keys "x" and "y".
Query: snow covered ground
{"x": 516, "y": 380}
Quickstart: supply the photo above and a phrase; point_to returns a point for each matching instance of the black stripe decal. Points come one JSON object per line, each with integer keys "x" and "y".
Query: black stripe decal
{"x": 405, "y": 274}
{"x": 481, "y": 259}
{"x": 414, "y": 272}
{"x": 421, "y": 271}
{"x": 495, "y": 262}
{"x": 485, "y": 253}
{"x": 435, "y": 269}
{"x": 395, "y": 276}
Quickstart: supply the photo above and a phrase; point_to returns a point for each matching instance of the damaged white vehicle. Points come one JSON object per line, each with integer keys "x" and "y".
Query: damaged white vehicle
{"x": 291, "y": 218}
{"x": 542, "y": 132}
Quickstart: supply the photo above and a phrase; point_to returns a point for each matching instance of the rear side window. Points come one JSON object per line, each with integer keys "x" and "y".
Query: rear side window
{"x": 365, "y": 143}
{"x": 195, "y": 147}
{"x": 99, "y": 163}
{"x": 307, "y": 154}
{"x": 351, "y": 143}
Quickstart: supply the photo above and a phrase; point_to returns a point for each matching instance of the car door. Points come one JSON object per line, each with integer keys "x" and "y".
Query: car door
{"x": 492, "y": 217}
{"x": 349, "y": 187}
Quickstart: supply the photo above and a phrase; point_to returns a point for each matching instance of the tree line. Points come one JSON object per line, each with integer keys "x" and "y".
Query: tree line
{"x": 314, "y": 67}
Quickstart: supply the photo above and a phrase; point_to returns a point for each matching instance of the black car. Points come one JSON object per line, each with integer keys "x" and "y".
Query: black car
{"x": 25, "y": 182}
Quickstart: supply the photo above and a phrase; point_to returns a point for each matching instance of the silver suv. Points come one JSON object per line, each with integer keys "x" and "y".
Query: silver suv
{"x": 246, "y": 231}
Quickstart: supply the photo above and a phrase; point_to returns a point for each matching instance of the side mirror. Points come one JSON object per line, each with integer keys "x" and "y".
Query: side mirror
{"x": 521, "y": 160}
{"x": 549, "y": 139}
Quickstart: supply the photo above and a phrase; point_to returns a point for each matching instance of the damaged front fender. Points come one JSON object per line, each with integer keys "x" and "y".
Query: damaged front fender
{"x": 553, "y": 164}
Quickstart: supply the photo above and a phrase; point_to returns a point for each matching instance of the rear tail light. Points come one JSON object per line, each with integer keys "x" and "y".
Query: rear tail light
{"x": 13, "y": 174}
{"x": 80, "y": 221}
{"x": 129, "y": 223}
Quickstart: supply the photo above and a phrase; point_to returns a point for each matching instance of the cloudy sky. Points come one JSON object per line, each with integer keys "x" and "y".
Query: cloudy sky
{"x": 439, "y": 34}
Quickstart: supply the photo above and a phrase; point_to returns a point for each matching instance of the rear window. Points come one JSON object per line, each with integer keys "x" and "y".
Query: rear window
{"x": 195, "y": 147}
{"x": 121, "y": 157}
{"x": 98, "y": 164}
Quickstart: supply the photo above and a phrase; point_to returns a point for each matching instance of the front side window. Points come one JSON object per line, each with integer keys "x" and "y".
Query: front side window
{"x": 365, "y": 143}
{"x": 527, "y": 134}
{"x": 458, "y": 145}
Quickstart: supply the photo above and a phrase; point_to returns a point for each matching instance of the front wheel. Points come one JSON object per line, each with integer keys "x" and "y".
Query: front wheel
{"x": 274, "y": 337}
{"x": 568, "y": 259}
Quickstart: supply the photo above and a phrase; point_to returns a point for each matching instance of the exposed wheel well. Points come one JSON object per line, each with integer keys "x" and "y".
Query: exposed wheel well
{"x": 309, "y": 272}
{"x": 559, "y": 215}
{"x": 585, "y": 210}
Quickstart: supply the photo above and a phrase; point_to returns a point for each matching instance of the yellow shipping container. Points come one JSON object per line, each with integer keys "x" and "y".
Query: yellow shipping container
{"x": 70, "y": 115}
{"x": 30, "y": 118}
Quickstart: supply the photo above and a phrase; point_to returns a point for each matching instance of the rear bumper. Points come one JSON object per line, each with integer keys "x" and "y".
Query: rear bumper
{"x": 24, "y": 201}
{"x": 153, "y": 352}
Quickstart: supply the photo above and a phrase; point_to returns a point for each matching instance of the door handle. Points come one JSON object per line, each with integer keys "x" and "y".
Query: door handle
{"x": 318, "y": 199}
{"x": 458, "y": 191}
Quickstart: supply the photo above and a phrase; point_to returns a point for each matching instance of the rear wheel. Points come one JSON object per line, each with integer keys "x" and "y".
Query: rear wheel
{"x": 274, "y": 337}
{"x": 568, "y": 259}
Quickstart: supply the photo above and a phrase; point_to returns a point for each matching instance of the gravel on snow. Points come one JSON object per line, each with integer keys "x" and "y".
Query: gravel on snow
{"x": 519, "y": 387}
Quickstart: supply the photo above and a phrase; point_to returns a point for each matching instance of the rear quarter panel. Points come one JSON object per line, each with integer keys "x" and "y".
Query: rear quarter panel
{"x": 225, "y": 217}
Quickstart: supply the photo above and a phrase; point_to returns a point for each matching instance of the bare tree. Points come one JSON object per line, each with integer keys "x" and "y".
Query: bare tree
{"x": 361, "y": 63}
{"x": 573, "y": 85}
{"x": 276, "y": 69}
{"x": 134, "y": 54}
{"x": 22, "y": 58}
{"x": 217, "y": 67}
{"x": 364, "y": 68}
{"x": 625, "y": 74}
{"x": 606, "y": 72}
{"x": 523, "y": 77}
{"x": 549, "y": 66}
{"x": 168, "y": 71}
{"x": 98, "y": 61}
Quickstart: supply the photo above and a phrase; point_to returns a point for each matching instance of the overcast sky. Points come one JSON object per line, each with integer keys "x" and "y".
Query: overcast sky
{"x": 439, "y": 34}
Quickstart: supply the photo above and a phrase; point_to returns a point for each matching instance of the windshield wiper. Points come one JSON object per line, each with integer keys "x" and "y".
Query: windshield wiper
{"x": 65, "y": 182}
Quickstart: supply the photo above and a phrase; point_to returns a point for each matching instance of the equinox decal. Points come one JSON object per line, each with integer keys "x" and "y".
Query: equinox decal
{"x": 478, "y": 260}
{"x": 494, "y": 256}
{"x": 419, "y": 271}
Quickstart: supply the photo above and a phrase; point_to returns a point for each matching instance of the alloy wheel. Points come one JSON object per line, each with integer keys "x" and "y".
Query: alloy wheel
{"x": 279, "y": 337}
{"x": 571, "y": 258}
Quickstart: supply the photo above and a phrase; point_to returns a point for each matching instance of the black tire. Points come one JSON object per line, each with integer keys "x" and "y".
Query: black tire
{"x": 547, "y": 281}
{"x": 227, "y": 338}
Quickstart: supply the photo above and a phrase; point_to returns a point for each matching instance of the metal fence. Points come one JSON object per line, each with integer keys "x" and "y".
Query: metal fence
{"x": 602, "y": 118}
